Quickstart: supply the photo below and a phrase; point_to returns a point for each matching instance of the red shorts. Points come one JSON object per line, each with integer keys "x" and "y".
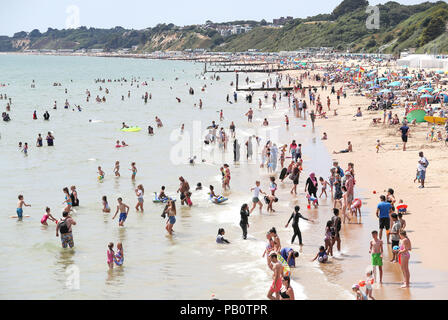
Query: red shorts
{"x": 276, "y": 286}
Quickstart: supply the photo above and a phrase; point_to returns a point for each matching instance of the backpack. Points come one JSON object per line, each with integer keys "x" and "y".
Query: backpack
{"x": 63, "y": 228}
{"x": 426, "y": 164}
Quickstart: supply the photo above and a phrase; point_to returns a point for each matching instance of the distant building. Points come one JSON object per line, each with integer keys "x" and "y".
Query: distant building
{"x": 282, "y": 20}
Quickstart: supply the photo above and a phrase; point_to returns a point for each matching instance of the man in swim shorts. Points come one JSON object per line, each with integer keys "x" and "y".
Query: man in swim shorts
{"x": 124, "y": 210}
{"x": 64, "y": 226}
{"x": 376, "y": 249}
{"x": 277, "y": 268}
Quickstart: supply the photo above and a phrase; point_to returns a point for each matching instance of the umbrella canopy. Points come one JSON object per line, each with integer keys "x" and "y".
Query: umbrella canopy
{"x": 382, "y": 79}
{"x": 426, "y": 96}
{"x": 394, "y": 84}
{"x": 385, "y": 91}
{"x": 439, "y": 71}
{"x": 425, "y": 89}
{"x": 417, "y": 114}
{"x": 406, "y": 77}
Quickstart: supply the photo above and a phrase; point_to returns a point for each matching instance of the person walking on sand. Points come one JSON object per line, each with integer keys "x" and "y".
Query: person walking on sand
{"x": 422, "y": 165}
{"x": 124, "y": 210}
{"x": 403, "y": 257}
{"x": 376, "y": 250}
{"x": 404, "y": 134}
{"x": 64, "y": 226}
{"x": 277, "y": 268}
{"x": 249, "y": 151}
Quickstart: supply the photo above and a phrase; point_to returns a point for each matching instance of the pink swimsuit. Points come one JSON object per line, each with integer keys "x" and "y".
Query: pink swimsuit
{"x": 44, "y": 219}
{"x": 110, "y": 256}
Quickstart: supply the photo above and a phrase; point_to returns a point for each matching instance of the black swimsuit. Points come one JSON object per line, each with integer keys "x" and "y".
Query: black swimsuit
{"x": 284, "y": 295}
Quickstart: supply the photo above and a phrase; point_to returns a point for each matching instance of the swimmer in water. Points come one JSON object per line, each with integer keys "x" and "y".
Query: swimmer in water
{"x": 159, "y": 122}
{"x": 124, "y": 210}
{"x": 117, "y": 168}
{"x": 162, "y": 194}
{"x": 119, "y": 256}
{"x": 134, "y": 170}
{"x": 106, "y": 207}
{"x": 110, "y": 255}
{"x": 123, "y": 144}
{"x": 68, "y": 200}
{"x": 118, "y": 145}
{"x": 220, "y": 236}
{"x": 20, "y": 205}
{"x": 124, "y": 126}
{"x": 140, "y": 191}
{"x": 47, "y": 215}
{"x": 101, "y": 174}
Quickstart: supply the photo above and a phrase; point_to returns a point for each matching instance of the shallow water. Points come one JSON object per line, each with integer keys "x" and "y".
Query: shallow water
{"x": 189, "y": 265}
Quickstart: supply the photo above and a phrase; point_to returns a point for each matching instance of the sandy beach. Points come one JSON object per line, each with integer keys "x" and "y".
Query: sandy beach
{"x": 393, "y": 168}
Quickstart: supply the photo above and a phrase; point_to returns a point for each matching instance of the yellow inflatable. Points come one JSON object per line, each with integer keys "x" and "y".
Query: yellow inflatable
{"x": 131, "y": 129}
{"x": 286, "y": 268}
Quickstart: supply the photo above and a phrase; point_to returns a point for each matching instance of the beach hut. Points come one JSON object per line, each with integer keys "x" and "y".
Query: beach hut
{"x": 416, "y": 114}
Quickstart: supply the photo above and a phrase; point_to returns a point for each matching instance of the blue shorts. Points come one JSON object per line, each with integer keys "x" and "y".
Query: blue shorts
{"x": 19, "y": 212}
{"x": 172, "y": 219}
{"x": 123, "y": 216}
{"x": 422, "y": 174}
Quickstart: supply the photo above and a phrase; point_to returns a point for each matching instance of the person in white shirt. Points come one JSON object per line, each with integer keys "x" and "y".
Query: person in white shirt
{"x": 256, "y": 192}
{"x": 422, "y": 165}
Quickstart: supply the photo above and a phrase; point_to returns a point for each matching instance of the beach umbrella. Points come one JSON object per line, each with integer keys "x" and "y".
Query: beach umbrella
{"x": 426, "y": 96}
{"x": 394, "y": 84}
{"x": 382, "y": 79}
{"x": 417, "y": 114}
{"x": 405, "y": 66}
{"x": 385, "y": 91}
{"x": 369, "y": 82}
{"x": 414, "y": 83}
{"x": 439, "y": 71}
{"x": 406, "y": 77}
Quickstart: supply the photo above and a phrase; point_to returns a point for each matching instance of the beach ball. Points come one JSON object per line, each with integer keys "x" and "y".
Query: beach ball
{"x": 362, "y": 283}
{"x": 308, "y": 206}
{"x": 396, "y": 248}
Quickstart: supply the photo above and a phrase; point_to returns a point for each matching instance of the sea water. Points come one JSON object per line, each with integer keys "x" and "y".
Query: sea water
{"x": 188, "y": 265}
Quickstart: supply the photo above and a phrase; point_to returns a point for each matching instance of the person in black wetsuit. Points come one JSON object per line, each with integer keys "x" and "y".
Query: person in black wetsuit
{"x": 74, "y": 197}
{"x": 244, "y": 222}
{"x": 295, "y": 216}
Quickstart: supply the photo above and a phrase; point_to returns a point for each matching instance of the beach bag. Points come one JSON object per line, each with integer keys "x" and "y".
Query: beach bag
{"x": 426, "y": 164}
{"x": 63, "y": 228}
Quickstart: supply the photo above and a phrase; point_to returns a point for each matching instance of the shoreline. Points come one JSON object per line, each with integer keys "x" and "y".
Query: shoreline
{"x": 424, "y": 257}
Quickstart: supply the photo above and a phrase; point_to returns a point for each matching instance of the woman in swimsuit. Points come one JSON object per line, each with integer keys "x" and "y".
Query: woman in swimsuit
{"x": 404, "y": 255}
{"x": 47, "y": 216}
{"x": 74, "y": 196}
{"x": 276, "y": 239}
{"x": 134, "y": 170}
{"x": 106, "y": 207}
{"x": 140, "y": 191}
{"x": 67, "y": 200}
{"x": 286, "y": 292}
{"x": 171, "y": 210}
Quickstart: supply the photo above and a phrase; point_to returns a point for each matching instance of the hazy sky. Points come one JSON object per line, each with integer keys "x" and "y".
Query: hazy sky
{"x": 26, "y": 15}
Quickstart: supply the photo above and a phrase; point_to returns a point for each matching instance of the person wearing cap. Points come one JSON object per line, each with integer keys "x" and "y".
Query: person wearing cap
{"x": 277, "y": 268}
{"x": 359, "y": 294}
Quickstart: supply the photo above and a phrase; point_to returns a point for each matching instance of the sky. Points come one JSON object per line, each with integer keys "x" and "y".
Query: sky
{"x": 26, "y": 15}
